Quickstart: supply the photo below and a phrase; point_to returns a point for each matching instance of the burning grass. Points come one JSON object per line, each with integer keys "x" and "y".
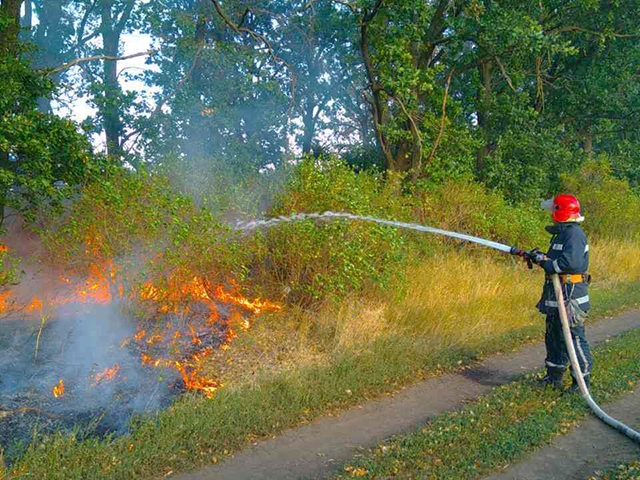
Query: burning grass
{"x": 92, "y": 350}
{"x": 297, "y": 366}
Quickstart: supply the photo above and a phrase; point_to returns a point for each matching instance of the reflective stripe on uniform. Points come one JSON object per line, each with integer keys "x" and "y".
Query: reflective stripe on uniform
{"x": 553, "y": 365}
{"x": 557, "y": 246}
{"x": 586, "y": 249}
{"x": 583, "y": 300}
{"x": 585, "y": 363}
{"x": 556, "y": 267}
{"x": 580, "y": 301}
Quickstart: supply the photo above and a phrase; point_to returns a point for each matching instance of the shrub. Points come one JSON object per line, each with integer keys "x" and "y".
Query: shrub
{"x": 151, "y": 231}
{"x": 9, "y": 267}
{"x": 310, "y": 260}
{"x": 611, "y": 207}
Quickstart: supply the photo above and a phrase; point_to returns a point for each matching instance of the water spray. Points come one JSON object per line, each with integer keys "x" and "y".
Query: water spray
{"x": 530, "y": 256}
{"x": 256, "y": 224}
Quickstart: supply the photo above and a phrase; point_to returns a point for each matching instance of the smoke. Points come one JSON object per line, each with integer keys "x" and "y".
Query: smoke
{"x": 74, "y": 345}
{"x": 59, "y": 329}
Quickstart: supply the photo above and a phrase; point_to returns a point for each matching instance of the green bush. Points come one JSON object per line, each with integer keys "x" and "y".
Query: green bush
{"x": 310, "y": 260}
{"x": 113, "y": 217}
{"x": 9, "y": 267}
{"x": 611, "y": 207}
{"x": 151, "y": 231}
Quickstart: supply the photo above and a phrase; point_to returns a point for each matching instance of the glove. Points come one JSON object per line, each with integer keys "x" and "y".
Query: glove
{"x": 531, "y": 256}
{"x": 535, "y": 256}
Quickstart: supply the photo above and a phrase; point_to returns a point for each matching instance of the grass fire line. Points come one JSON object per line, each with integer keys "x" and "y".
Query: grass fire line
{"x": 182, "y": 348}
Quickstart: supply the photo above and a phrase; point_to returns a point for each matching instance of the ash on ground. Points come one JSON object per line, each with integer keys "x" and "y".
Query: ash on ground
{"x": 89, "y": 357}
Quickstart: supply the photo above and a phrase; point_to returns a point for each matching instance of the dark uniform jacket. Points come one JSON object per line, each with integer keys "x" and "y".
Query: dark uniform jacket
{"x": 568, "y": 254}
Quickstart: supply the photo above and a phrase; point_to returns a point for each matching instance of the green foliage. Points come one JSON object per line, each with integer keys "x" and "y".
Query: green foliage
{"x": 526, "y": 164}
{"x": 627, "y": 471}
{"x": 9, "y": 268}
{"x": 609, "y": 204}
{"x": 41, "y": 155}
{"x": 309, "y": 260}
{"x": 113, "y": 217}
{"x": 138, "y": 220}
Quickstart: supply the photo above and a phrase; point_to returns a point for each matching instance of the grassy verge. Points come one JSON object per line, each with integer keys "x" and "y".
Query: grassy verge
{"x": 499, "y": 428}
{"x": 456, "y": 308}
{"x": 628, "y": 471}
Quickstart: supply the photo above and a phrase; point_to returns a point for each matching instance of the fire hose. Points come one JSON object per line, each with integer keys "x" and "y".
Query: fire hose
{"x": 577, "y": 372}
{"x": 531, "y": 257}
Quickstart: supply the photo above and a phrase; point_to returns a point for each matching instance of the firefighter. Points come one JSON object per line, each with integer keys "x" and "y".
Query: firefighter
{"x": 568, "y": 256}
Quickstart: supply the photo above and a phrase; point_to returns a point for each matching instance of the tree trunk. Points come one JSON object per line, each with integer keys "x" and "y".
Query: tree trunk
{"x": 484, "y": 114}
{"x": 587, "y": 145}
{"x": 10, "y": 9}
{"x": 50, "y": 40}
{"x": 309, "y": 122}
{"x": 110, "y": 111}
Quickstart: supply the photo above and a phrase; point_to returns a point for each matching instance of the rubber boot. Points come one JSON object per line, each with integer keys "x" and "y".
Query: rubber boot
{"x": 574, "y": 384}
{"x": 553, "y": 378}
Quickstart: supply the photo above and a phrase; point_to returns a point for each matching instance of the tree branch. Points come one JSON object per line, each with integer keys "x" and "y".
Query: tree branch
{"x": 83, "y": 24}
{"x": 106, "y": 58}
{"x": 417, "y": 164}
{"x": 124, "y": 18}
{"x": 260, "y": 39}
{"x": 436, "y": 144}
{"x": 376, "y": 103}
{"x": 505, "y": 74}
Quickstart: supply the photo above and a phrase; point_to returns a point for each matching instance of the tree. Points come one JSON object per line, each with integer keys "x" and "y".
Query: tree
{"x": 41, "y": 155}
{"x": 221, "y": 97}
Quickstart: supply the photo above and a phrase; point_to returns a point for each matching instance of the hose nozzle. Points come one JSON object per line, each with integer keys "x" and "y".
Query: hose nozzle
{"x": 531, "y": 256}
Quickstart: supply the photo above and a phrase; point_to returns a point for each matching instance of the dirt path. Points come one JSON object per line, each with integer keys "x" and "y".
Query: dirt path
{"x": 315, "y": 450}
{"x": 590, "y": 447}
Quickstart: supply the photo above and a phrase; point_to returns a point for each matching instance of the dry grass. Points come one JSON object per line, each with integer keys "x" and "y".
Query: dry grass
{"x": 452, "y": 301}
{"x": 615, "y": 263}
{"x": 460, "y": 300}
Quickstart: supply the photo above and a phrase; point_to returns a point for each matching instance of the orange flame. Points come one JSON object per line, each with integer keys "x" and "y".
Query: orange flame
{"x": 107, "y": 374}
{"x": 36, "y": 304}
{"x": 189, "y": 297}
{"x": 58, "y": 390}
{"x": 193, "y": 381}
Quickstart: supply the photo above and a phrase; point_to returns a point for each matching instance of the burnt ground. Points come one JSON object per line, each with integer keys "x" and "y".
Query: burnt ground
{"x": 71, "y": 349}
{"x": 75, "y": 347}
{"x": 317, "y": 449}
{"x": 591, "y": 446}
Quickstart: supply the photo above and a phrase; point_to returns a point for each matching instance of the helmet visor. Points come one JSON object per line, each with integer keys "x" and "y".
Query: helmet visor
{"x": 547, "y": 205}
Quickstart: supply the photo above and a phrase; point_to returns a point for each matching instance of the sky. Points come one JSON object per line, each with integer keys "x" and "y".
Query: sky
{"x": 70, "y": 105}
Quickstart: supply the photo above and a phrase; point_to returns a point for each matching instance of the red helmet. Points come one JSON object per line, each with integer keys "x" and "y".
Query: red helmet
{"x": 566, "y": 208}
